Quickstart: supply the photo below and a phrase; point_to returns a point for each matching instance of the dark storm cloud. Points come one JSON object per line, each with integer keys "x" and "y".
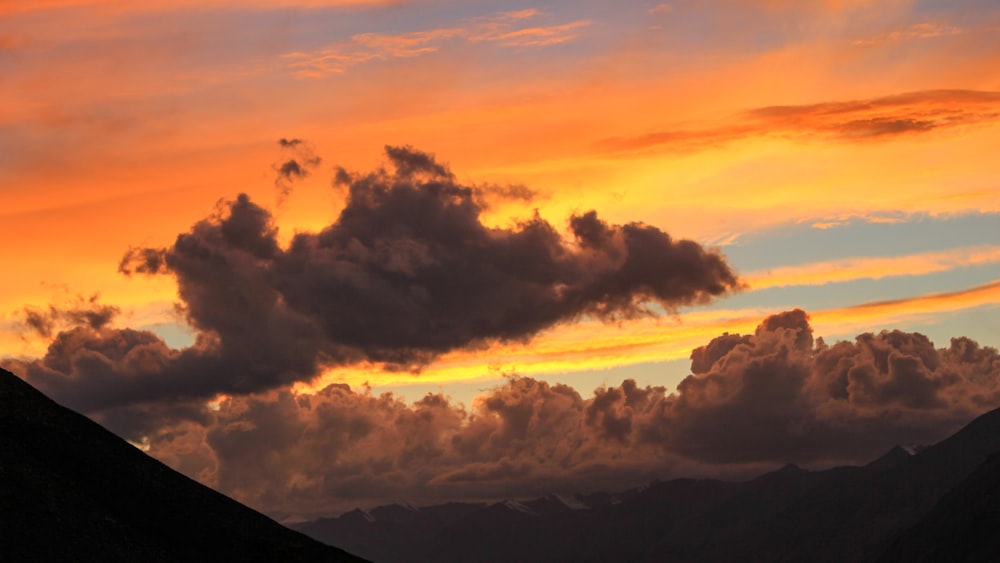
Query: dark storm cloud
{"x": 407, "y": 271}
{"x": 410, "y": 262}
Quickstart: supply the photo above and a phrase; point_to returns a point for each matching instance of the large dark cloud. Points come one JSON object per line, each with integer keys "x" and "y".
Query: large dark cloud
{"x": 407, "y": 271}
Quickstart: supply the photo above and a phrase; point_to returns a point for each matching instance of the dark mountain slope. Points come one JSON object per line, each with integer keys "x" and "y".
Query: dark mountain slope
{"x": 842, "y": 514}
{"x": 72, "y": 491}
{"x": 964, "y": 526}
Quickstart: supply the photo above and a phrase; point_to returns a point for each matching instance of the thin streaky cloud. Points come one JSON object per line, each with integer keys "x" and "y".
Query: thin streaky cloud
{"x": 873, "y": 268}
{"x": 923, "y": 30}
{"x": 880, "y": 118}
{"x": 537, "y": 36}
{"x": 504, "y": 28}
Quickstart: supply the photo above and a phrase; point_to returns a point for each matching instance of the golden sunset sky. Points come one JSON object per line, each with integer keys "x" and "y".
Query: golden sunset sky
{"x": 841, "y": 154}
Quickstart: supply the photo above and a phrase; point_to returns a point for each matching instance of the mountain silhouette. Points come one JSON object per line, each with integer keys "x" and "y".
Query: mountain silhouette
{"x": 884, "y": 511}
{"x": 962, "y": 527}
{"x": 72, "y": 491}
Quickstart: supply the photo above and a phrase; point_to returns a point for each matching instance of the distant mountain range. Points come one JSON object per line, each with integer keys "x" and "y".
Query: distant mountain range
{"x": 72, "y": 491}
{"x": 938, "y": 504}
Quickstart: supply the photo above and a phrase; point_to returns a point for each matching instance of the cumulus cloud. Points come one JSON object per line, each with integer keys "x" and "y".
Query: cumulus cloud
{"x": 407, "y": 272}
{"x": 752, "y": 402}
{"x": 337, "y": 448}
{"x": 778, "y": 394}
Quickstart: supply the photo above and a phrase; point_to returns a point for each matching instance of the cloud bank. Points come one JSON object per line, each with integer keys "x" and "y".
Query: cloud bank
{"x": 752, "y": 402}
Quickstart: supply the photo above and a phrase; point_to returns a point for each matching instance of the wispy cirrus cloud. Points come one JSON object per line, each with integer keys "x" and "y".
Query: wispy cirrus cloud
{"x": 922, "y": 30}
{"x": 508, "y": 29}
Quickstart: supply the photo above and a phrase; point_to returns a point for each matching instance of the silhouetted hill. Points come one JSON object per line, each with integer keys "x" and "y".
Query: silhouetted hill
{"x": 962, "y": 527}
{"x": 841, "y": 514}
{"x": 72, "y": 491}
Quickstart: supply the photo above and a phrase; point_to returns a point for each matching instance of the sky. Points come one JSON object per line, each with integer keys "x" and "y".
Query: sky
{"x": 322, "y": 254}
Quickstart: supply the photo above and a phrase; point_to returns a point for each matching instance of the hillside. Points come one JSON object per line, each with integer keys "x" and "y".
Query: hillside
{"x": 72, "y": 491}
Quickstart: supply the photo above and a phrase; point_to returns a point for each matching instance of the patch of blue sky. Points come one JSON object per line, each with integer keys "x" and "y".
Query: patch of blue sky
{"x": 981, "y": 324}
{"x": 803, "y": 243}
{"x": 176, "y": 335}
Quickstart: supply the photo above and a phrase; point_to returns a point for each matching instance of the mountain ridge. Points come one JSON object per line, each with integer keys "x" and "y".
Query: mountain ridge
{"x": 72, "y": 490}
